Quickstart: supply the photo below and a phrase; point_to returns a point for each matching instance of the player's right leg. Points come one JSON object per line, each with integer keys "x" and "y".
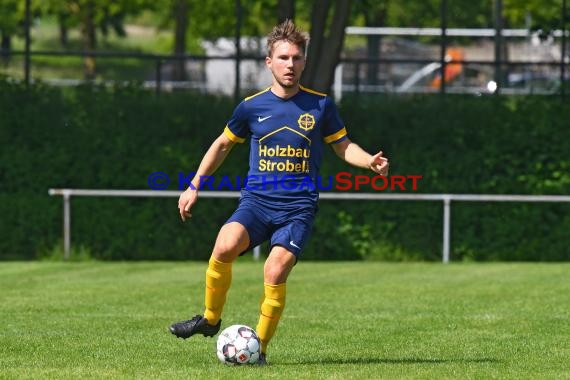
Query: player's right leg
{"x": 232, "y": 239}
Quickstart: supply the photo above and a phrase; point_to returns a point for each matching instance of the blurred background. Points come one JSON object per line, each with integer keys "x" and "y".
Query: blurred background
{"x": 365, "y": 46}
{"x": 472, "y": 95}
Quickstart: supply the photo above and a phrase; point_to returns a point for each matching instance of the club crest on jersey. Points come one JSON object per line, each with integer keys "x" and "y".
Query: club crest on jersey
{"x": 306, "y": 121}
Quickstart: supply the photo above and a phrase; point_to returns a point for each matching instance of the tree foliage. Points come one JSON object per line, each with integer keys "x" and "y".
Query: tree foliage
{"x": 545, "y": 15}
{"x": 462, "y": 13}
{"x": 12, "y": 20}
{"x": 11, "y": 16}
{"x": 198, "y": 20}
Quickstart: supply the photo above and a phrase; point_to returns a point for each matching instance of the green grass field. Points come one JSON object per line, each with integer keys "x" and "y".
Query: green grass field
{"x": 342, "y": 321}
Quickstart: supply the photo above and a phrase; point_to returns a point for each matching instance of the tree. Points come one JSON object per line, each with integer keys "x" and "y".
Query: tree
{"x": 285, "y": 10}
{"x": 218, "y": 18}
{"x": 427, "y": 13}
{"x": 194, "y": 21}
{"x": 9, "y": 20}
{"x": 92, "y": 16}
{"x": 180, "y": 10}
{"x": 374, "y": 14}
{"x": 326, "y": 42}
{"x": 86, "y": 12}
{"x": 544, "y": 17}
{"x": 12, "y": 22}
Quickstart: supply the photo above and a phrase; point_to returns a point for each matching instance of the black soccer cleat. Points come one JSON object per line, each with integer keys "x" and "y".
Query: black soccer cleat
{"x": 196, "y": 325}
{"x": 262, "y": 360}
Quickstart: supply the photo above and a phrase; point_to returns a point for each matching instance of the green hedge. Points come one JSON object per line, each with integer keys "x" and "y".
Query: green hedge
{"x": 98, "y": 138}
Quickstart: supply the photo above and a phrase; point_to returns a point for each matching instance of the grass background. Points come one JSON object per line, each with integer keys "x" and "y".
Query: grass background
{"x": 344, "y": 320}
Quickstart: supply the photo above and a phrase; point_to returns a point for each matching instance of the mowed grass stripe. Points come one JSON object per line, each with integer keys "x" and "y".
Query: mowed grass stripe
{"x": 343, "y": 320}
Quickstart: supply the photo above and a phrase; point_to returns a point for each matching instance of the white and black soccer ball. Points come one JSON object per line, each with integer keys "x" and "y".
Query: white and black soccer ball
{"x": 238, "y": 344}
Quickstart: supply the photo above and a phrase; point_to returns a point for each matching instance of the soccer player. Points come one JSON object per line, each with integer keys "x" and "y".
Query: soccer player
{"x": 287, "y": 125}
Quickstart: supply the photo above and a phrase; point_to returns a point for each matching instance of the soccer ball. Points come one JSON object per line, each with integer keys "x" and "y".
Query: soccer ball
{"x": 238, "y": 344}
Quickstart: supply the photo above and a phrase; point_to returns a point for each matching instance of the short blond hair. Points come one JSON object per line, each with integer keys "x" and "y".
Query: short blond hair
{"x": 287, "y": 31}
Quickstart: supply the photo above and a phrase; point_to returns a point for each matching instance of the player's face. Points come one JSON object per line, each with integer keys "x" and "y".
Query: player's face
{"x": 286, "y": 63}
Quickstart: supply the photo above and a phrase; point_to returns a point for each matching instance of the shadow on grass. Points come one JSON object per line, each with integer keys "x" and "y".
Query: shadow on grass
{"x": 389, "y": 361}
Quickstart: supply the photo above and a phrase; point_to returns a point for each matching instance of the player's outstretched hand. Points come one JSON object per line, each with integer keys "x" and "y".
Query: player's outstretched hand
{"x": 379, "y": 164}
{"x": 185, "y": 203}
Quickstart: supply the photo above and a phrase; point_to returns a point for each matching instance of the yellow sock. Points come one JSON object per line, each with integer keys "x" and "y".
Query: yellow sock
{"x": 218, "y": 280}
{"x": 271, "y": 309}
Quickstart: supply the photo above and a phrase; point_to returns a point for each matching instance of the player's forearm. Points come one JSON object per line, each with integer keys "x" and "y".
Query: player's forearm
{"x": 357, "y": 156}
{"x": 212, "y": 160}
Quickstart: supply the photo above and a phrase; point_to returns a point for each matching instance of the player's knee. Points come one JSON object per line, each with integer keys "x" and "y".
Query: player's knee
{"x": 275, "y": 273}
{"x": 278, "y": 266}
{"x": 231, "y": 241}
{"x": 226, "y": 249}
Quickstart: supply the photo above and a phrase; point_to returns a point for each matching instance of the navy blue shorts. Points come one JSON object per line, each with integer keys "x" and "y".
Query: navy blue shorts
{"x": 289, "y": 228}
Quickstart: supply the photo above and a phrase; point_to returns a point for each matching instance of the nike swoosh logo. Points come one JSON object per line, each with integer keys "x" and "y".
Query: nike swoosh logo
{"x": 260, "y": 119}
{"x": 292, "y": 243}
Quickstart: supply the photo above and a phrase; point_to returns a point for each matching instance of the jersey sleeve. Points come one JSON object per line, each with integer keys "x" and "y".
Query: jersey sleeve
{"x": 333, "y": 129}
{"x": 237, "y": 128}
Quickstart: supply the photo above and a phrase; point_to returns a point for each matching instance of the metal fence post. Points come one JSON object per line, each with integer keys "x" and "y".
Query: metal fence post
{"x": 239, "y": 16}
{"x": 27, "y": 57}
{"x": 357, "y": 77}
{"x": 563, "y": 51}
{"x": 443, "y": 44}
{"x": 446, "y": 227}
{"x": 66, "y": 224}
{"x": 256, "y": 252}
{"x": 158, "y": 76}
{"x": 498, "y": 44}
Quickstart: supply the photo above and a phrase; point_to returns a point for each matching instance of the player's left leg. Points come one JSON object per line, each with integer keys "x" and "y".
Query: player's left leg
{"x": 287, "y": 242}
{"x": 276, "y": 270}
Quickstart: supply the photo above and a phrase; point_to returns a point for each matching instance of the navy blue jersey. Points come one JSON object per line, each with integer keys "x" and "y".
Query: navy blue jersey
{"x": 287, "y": 139}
